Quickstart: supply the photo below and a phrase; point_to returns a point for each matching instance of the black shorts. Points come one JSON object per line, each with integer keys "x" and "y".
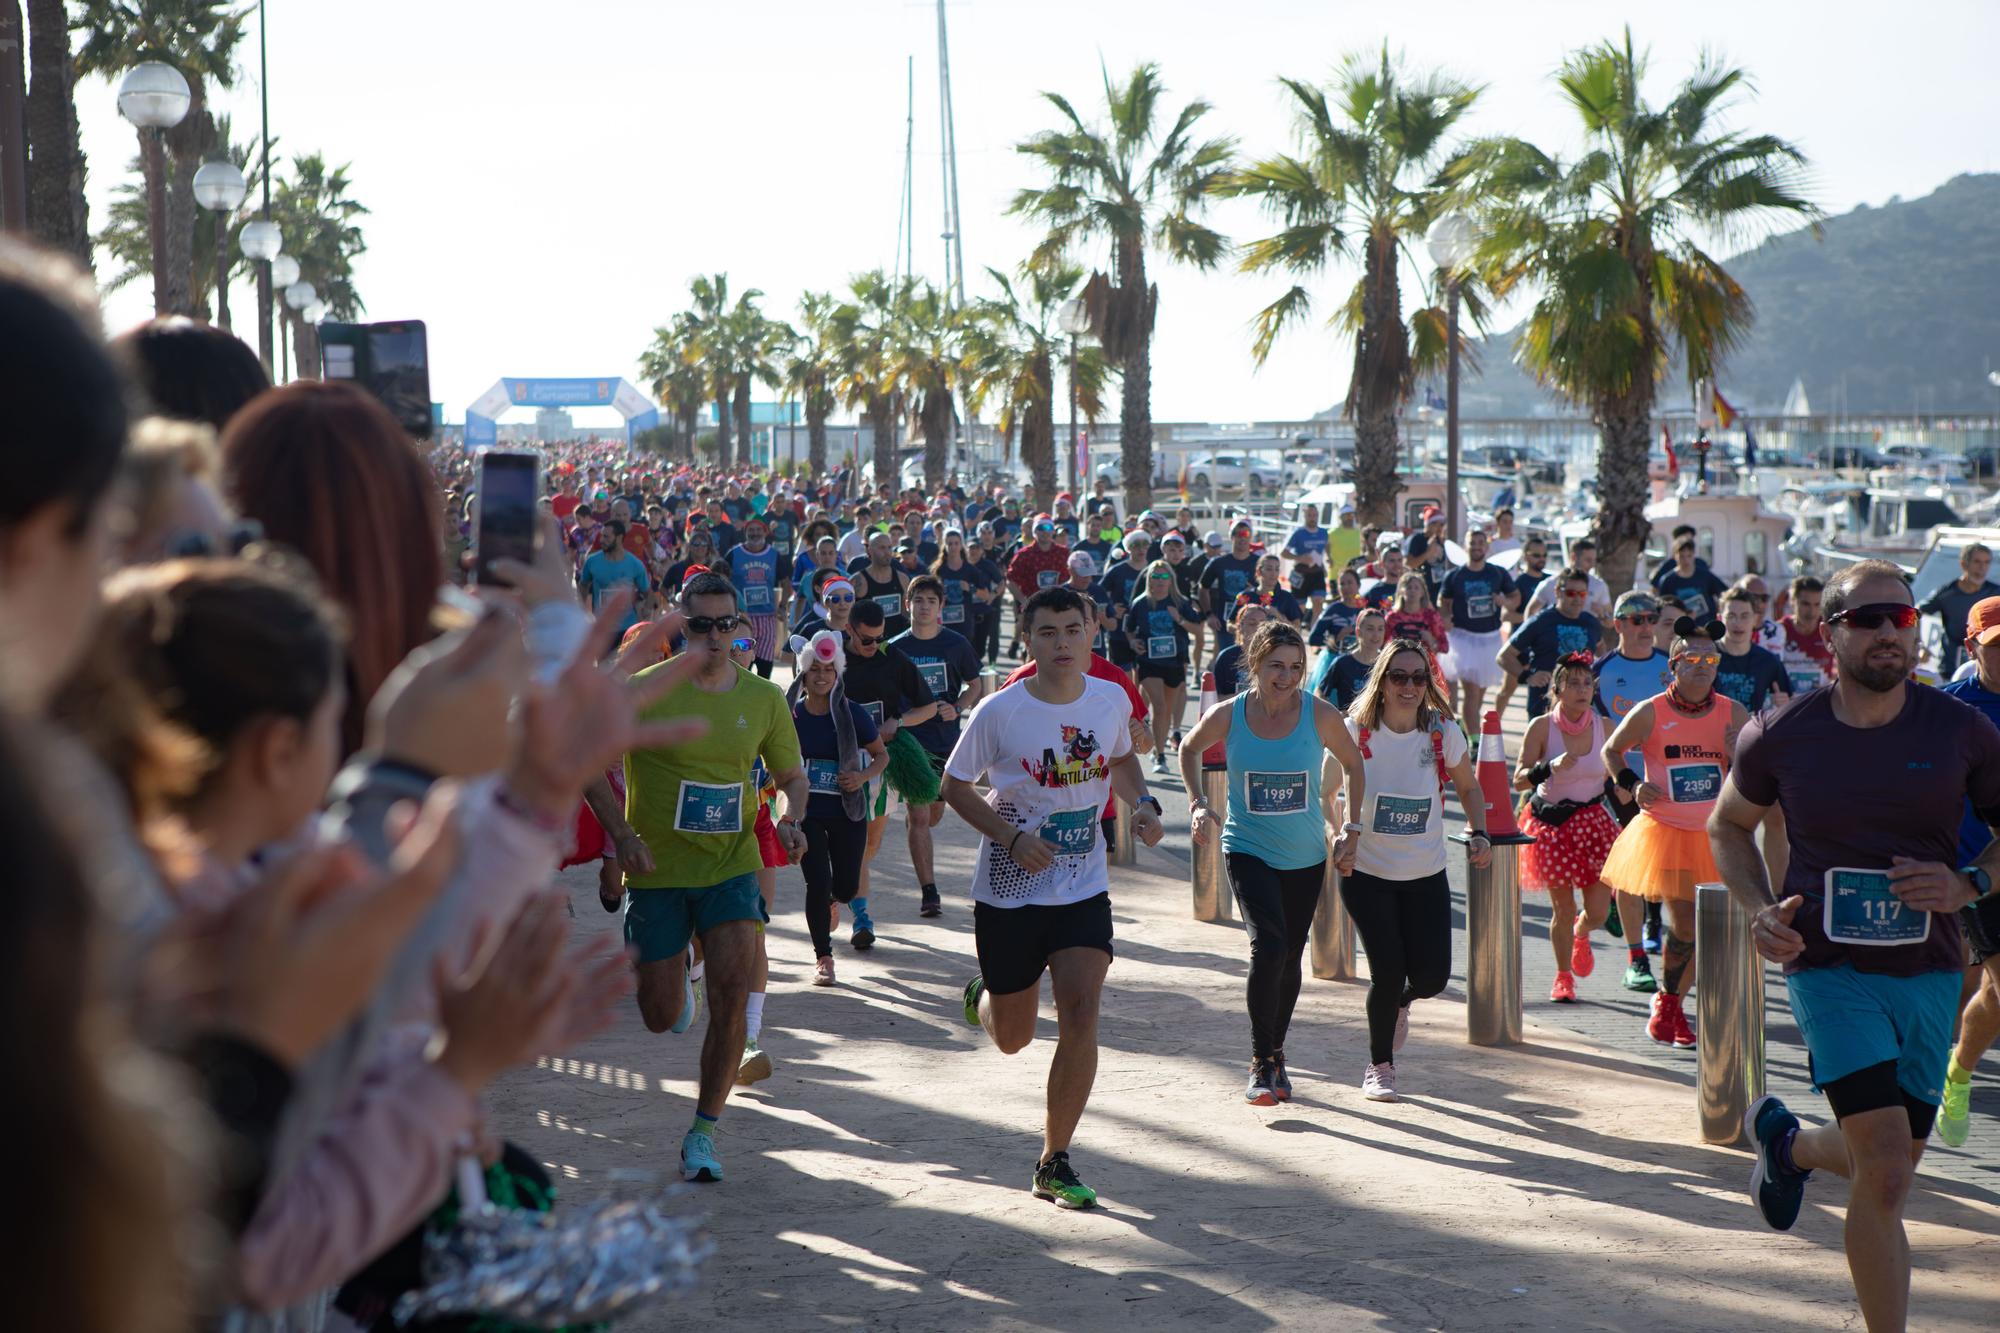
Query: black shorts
{"x": 1875, "y": 1088}
{"x": 1120, "y": 652}
{"x": 1174, "y": 673}
{"x": 1014, "y": 943}
{"x": 1308, "y": 580}
{"x": 1981, "y": 923}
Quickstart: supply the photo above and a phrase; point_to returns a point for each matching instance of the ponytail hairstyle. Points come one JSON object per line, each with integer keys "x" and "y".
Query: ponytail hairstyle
{"x": 1268, "y": 637}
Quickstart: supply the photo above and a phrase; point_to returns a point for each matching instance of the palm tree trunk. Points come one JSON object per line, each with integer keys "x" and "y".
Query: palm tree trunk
{"x": 816, "y": 415}
{"x": 1625, "y": 430}
{"x": 722, "y": 449}
{"x": 937, "y": 415}
{"x": 58, "y": 214}
{"x": 224, "y": 262}
{"x": 685, "y": 421}
{"x": 743, "y": 415}
{"x": 185, "y": 144}
{"x": 1038, "y": 432}
{"x": 1380, "y": 384}
{"x": 882, "y": 421}
{"x": 1135, "y": 439}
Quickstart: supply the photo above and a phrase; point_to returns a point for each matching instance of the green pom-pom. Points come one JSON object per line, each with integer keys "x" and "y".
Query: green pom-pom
{"x": 911, "y": 774}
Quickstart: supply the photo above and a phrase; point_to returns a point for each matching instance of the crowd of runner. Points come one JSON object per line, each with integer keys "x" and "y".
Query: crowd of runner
{"x": 287, "y": 790}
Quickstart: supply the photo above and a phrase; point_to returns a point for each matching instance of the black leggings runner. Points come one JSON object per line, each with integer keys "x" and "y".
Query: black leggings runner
{"x": 832, "y": 864}
{"x": 1405, "y": 925}
{"x": 1277, "y": 908}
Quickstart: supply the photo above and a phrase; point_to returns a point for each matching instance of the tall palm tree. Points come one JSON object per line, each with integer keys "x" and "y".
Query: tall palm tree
{"x": 58, "y": 213}
{"x": 925, "y": 358}
{"x": 321, "y": 224}
{"x": 1012, "y": 341}
{"x": 865, "y": 330}
{"x": 755, "y": 343}
{"x": 1131, "y": 185}
{"x": 711, "y": 311}
{"x": 197, "y": 37}
{"x": 1612, "y": 242}
{"x": 673, "y": 369}
{"x": 1360, "y": 187}
{"x": 125, "y": 237}
{"x": 810, "y": 365}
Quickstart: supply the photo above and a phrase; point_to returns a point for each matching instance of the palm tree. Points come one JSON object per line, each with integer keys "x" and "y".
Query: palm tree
{"x": 321, "y": 225}
{"x": 755, "y": 343}
{"x": 1362, "y": 181}
{"x": 925, "y": 356}
{"x": 864, "y": 330}
{"x": 1130, "y": 185}
{"x": 716, "y": 349}
{"x": 673, "y": 369}
{"x": 58, "y": 213}
{"x": 125, "y": 230}
{"x": 197, "y": 37}
{"x": 1612, "y": 243}
{"x": 1011, "y": 343}
{"x": 810, "y": 364}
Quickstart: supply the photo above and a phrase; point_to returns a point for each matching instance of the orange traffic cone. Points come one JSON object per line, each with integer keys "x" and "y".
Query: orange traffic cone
{"x": 1217, "y": 755}
{"x": 1496, "y": 779}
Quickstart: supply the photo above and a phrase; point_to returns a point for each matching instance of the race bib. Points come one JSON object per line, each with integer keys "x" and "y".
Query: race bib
{"x": 1070, "y": 832}
{"x": 1480, "y": 604}
{"x": 1696, "y": 604}
{"x": 1860, "y": 908}
{"x": 1160, "y": 645}
{"x": 709, "y": 808}
{"x": 891, "y": 603}
{"x": 936, "y": 677}
{"x": 1401, "y": 816}
{"x": 1691, "y": 784}
{"x": 823, "y": 775}
{"x": 954, "y": 614}
{"x": 782, "y": 547}
{"x": 874, "y": 711}
{"x": 1802, "y": 681}
{"x": 1278, "y": 793}
{"x": 1045, "y": 578}
{"x": 757, "y": 597}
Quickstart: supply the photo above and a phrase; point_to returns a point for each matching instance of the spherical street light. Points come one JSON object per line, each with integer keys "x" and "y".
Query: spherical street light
{"x": 316, "y": 312}
{"x": 261, "y": 240}
{"x": 300, "y": 295}
{"x": 284, "y": 271}
{"x": 219, "y": 186}
{"x": 1450, "y": 240}
{"x": 1073, "y": 319}
{"x": 153, "y": 96}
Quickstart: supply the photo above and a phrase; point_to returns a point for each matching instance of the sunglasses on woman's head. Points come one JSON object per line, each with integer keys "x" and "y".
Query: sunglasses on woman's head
{"x": 1404, "y": 679}
{"x": 709, "y": 624}
{"x": 1871, "y": 616}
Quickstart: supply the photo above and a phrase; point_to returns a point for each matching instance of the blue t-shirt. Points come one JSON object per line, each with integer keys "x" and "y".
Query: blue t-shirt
{"x": 1227, "y": 663}
{"x": 1475, "y": 596}
{"x": 1551, "y": 636}
{"x": 755, "y": 575}
{"x": 602, "y": 576}
{"x": 1117, "y": 584}
{"x": 1623, "y": 683}
{"x": 1152, "y": 633}
{"x": 1306, "y": 541}
{"x": 1343, "y": 683}
{"x": 1700, "y": 592}
{"x": 819, "y": 750}
{"x": 947, "y": 664}
{"x": 1973, "y": 834}
{"x": 1335, "y": 626}
{"x": 1750, "y": 678}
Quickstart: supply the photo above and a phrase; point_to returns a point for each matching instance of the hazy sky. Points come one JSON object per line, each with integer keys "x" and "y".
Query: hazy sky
{"x": 545, "y": 178}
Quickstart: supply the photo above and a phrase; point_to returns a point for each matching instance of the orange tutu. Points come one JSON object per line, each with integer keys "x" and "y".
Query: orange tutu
{"x": 1657, "y": 861}
{"x": 1569, "y": 855}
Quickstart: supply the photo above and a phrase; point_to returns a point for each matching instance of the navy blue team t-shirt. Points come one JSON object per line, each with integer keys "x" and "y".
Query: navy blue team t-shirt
{"x": 1476, "y": 597}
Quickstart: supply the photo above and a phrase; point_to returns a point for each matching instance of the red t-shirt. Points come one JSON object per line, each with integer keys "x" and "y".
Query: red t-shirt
{"x": 1025, "y": 570}
{"x": 565, "y": 505}
{"x": 639, "y": 539}
{"x": 1101, "y": 668}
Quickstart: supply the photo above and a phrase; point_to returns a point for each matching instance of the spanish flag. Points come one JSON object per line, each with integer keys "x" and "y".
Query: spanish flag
{"x": 1725, "y": 415}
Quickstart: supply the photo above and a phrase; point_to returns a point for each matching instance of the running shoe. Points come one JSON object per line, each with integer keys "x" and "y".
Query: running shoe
{"x": 1564, "y": 991}
{"x": 973, "y": 990}
{"x": 691, "y": 996}
{"x": 1955, "y": 1116}
{"x": 1639, "y": 977}
{"x": 1175, "y": 740}
{"x": 864, "y": 925}
{"x": 1159, "y": 761}
{"x": 1582, "y": 954}
{"x": 1668, "y": 1025}
{"x": 1379, "y": 1083}
{"x": 1281, "y": 1078}
{"x": 698, "y": 1159}
{"x": 932, "y": 904}
{"x": 1777, "y": 1190}
{"x": 1056, "y": 1181}
{"x": 1614, "y": 927}
{"x": 823, "y": 971}
{"x": 1259, "y": 1091}
{"x": 1683, "y": 1032}
{"x": 1651, "y": 941}
{"x": 755, "y": 1066}
{"x": 1402, "y": 1028}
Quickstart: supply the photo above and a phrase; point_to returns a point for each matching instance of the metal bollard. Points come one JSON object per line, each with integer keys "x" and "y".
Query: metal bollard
{"x": 1332, "y": 930}
{"x": 1729, "y": 1003}
{"x": 1211, "y": 885}
{"x": 1493, "y": 944}
{"x": 1124, "y": 848}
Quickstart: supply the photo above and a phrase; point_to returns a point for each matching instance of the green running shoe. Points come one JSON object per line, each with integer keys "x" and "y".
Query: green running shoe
{"x": 1639, "y": 977}
{"x": 1055, "y": 1180}
{"x": 1612, "y": 924}
{"x": 1955, "y": 1116}
{"x": 973, "y": 990}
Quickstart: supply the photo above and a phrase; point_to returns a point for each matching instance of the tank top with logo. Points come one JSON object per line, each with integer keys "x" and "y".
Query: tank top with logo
{"x": 1687, "y": 758}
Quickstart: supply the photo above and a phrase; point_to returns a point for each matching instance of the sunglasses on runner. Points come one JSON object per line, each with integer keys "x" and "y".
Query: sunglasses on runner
{"x": 839, "y": 601}
{"x": 868, "y": 641}
{"x": 709, "y": 624}
{"x": 1700, "y": 659}
{"x": 1871, "y": 616}
{"x": 742, "y": 645}
{"x": 1643, "y": 618}
{"x": 1405, "y": 679}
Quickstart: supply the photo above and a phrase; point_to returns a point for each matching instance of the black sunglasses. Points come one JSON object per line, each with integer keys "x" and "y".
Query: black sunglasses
{"x": 709, "y": 624}
{"x": 1644, "y": 618}
{"x": 867, "y": 641}
{"x": 1871, "y": 616}
{"x": 1402, "y": 679}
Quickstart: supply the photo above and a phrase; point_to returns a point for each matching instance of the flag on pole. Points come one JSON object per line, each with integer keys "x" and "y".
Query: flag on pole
{"x": 1749, "y": 448}
{"x": 1667, "y": 439}
{"x": 1725, "y": 415}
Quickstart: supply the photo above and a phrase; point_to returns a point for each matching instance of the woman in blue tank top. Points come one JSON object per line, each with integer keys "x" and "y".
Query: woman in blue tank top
{"x": 1276, "y": 739}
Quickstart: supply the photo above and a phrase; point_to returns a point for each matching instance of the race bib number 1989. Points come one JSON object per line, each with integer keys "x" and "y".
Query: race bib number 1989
{"x": 1279, "y": 793}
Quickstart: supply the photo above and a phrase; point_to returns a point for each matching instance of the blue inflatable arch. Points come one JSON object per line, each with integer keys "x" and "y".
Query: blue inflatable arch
{"x": 637, "y": 409}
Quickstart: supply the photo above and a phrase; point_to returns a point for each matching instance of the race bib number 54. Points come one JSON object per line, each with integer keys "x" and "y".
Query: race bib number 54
{"x": 709, "y": 808}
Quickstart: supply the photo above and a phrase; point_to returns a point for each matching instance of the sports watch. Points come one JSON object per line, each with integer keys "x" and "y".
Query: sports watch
{"x": 1982, "y": 883}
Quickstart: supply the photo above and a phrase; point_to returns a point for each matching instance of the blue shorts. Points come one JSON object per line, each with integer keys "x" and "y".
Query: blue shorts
{"x": 1852, "y": 1020}
{"x": 662, "y": 921}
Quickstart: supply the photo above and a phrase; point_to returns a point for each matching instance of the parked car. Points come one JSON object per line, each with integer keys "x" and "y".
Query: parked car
{"x": 1208, "y": 473}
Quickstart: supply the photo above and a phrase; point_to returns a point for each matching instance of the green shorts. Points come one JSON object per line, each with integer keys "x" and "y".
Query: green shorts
{"x": 662, "y": 921}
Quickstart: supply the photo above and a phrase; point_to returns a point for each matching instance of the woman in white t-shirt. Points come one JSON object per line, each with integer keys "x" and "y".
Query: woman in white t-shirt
{"x": 1393, "y": 878}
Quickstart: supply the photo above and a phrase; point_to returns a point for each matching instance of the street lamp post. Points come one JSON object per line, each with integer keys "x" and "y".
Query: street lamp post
{"x": 300, "y": 296}
{"x": 1450, "y": 241}
{"x": 261, "y": 242}
{"x": 1074, "y": 320}
{"x": 155, "y": 98}
{"x": 284, "y": 272}
{"x": 219, "y": 187}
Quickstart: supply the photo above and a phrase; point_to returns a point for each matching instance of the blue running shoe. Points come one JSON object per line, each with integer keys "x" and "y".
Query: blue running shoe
{"x": 698, "y": 1159}
{"x": 864, "y": 925}
{"x": 1777, "y": 1191}
{"x": 691, "y": 995}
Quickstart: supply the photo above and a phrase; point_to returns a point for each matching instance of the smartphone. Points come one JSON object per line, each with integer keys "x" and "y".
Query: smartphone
{"x": 391, "y": 360}
{"x": 509, "y": 484}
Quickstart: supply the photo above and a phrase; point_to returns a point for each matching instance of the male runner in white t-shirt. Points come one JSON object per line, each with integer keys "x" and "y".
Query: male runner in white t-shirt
{"x": 1053, "y": 747}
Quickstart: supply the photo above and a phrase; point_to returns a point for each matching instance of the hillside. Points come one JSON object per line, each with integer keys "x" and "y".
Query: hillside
{"x": 1902, "y": 300}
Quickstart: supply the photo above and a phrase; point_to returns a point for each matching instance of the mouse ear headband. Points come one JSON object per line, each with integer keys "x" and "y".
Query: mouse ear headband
{"x": 1687, "y": 627}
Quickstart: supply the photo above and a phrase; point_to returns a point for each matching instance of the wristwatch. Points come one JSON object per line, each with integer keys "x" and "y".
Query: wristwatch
{"x": 1152, "y": 800}
{"x": 1352, "y": 827}
{"x": 1982, "y": 883}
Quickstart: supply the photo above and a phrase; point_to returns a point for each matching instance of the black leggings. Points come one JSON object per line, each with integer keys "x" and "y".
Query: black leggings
{"x": 832, "y": 864}
{"x": 1277, "y": 908}
{"x": 1405, "y": 925}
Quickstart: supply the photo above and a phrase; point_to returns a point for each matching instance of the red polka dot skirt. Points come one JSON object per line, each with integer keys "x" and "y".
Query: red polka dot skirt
{"x": 1569, "y": 856}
